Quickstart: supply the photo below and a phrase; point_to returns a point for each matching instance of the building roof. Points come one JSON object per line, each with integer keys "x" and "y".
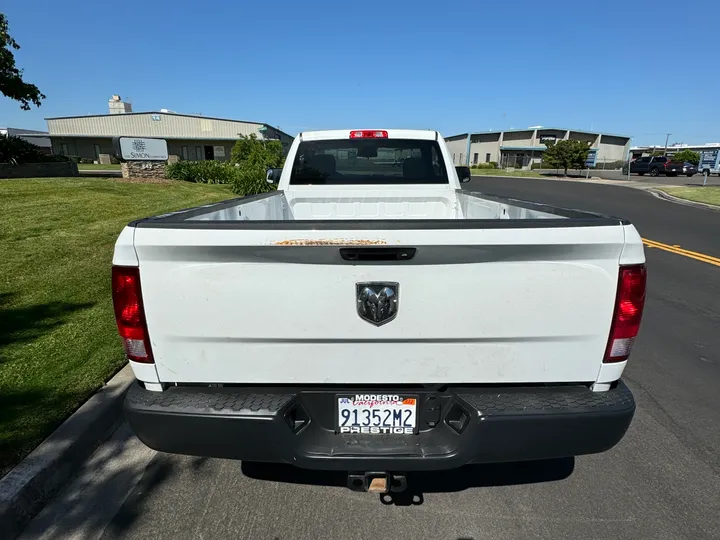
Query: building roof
{"x": 542, "y": 128}
{"x": 541, "y": 148}
{"x": 167, "y": 113}
{"x": 678, "y": 146}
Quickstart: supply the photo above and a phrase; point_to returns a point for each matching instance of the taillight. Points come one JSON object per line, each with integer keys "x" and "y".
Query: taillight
{"x": 130, "y": 314}
{"x": 368, "y": 134}
{"x": 629, "y": 305}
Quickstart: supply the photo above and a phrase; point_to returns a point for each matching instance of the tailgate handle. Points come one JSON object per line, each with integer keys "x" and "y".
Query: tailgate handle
{"x": 377, "y": 254}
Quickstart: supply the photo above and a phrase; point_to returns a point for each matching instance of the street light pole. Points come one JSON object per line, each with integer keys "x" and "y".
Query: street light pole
{"x": 667, "y": 138}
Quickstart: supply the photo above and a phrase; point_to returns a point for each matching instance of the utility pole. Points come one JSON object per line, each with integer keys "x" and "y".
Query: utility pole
{"x": 667, "y": 138}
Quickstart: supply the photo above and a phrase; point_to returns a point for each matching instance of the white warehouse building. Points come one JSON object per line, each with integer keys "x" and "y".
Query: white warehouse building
{"x": 520, "y": 148}
{"x": 189, "y": 136}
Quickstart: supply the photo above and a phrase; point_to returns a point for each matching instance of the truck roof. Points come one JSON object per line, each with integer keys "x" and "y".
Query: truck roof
{"x": 423, "y": 134}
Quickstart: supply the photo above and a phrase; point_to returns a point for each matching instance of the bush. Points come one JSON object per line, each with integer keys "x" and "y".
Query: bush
{"x": 19, "y": 151}
{"x": 491, "y": 165}
{"x": 86, "y": 161}
{"x": 54, "y": 158}
{"x": 251, "y": 180}
{"x": 16, "y": 150}
{"x": 114, "y": 160}
{"x": 202, "y": 172}
{"x": 252, "y": 151}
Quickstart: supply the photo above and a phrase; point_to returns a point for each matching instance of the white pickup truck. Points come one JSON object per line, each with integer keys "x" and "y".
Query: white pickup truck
{"x": 378, "y": 318}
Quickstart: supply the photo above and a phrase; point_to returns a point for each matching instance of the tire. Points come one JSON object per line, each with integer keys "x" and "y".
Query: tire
{"x": 654, "y": 172}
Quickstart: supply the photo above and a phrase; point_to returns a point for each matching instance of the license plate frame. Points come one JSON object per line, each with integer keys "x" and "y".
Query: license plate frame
{"x": 378, "y": 405}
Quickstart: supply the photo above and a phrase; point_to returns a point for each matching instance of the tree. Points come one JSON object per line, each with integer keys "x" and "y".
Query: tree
{"x": 11, "y": 81}
{"x": 249, "y": 150}
{"x": 687, "y": 155}
{"x": 253, "y": 157}
{"x": 566, "y": 154}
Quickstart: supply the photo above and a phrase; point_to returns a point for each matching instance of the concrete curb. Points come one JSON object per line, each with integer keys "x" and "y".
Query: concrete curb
{"x": 25, "y": 489}
{"x": 659, "y": 193}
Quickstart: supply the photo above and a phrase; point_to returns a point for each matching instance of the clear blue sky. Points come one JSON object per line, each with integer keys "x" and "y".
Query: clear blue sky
{"x": 634, "y": 67}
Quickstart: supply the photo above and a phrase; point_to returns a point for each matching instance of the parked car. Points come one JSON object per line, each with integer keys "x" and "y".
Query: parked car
{"x": 689, "y": 169}
{"x": 368, "y": 319}
{"x": 655, "y": 166}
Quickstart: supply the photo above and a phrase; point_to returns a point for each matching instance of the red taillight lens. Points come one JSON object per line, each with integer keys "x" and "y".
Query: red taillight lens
{"x": 368, "y": 134}
{"x": 129, "y": 313}
{"x": 629, "y": 306}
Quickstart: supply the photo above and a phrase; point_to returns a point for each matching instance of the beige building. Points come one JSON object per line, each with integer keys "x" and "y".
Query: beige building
{"x": 189, "y": 137}
{"x": 520, "y": 148}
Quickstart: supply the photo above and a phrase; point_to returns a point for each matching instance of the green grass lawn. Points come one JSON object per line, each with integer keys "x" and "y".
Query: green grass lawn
{"x": 706, "y": 194}
{"x": 58, "y": 340}
{"x": 503, "y": 172}
{"x": 98, "y": 167}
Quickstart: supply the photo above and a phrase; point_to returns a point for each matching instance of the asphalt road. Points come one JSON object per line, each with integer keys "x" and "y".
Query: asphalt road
{"x": 661, "y": 482}
{"x": 695, "y": 180}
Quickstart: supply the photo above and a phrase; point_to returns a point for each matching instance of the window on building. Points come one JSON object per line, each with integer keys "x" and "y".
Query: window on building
{"x": 97, "y": 151}
{"x": 454, "y": 158}
{"x": 198, "y": 153}
{"x": 475, "y": 158}
{"x": 64, "y": 150}
{"x": 461, "y": 159}
{"x": 487, "y": 158}
{"x": 184, "y": 150}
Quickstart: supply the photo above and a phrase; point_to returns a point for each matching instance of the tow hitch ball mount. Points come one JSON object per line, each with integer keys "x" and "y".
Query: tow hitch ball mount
{"x": 377, "y": 482}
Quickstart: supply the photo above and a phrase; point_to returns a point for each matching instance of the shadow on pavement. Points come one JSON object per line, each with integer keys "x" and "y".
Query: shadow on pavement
{"x": 419, "y": 483}
{"x": 122, "y": 465}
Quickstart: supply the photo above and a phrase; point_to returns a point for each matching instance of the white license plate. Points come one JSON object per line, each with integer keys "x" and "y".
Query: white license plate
{"x": 377, "y": 414}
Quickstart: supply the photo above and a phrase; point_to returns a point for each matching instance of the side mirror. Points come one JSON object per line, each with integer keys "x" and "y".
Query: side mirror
{"x": 463, "y": 174}
{"x": 273, "y": 175}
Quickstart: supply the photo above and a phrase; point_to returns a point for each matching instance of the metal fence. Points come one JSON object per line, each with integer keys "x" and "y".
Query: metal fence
{"x": 517, "y": 161}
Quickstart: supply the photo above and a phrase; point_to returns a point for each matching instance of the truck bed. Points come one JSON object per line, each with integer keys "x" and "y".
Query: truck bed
{"x": 503, "y": 291}
{"x": 308, "y": 208}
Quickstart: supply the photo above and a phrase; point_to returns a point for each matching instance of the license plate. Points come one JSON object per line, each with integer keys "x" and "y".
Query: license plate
{"x": 377, "y": 414}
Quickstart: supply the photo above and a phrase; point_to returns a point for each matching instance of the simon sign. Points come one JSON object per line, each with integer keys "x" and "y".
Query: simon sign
{"x": 142, "y": 149}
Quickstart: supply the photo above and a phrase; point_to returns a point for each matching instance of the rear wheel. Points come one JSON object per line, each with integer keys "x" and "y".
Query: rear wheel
{"x": 654, "y": 171}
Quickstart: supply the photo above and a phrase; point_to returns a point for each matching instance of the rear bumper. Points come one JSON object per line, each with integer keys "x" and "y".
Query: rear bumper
{"x": 458, "y": 426}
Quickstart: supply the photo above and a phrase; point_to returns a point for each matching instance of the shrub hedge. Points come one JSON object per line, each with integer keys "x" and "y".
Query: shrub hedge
{"x": 490, "y": 165}
{"x": 247, "y": 180}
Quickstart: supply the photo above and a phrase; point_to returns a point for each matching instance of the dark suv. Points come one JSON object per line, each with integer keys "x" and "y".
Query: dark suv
{"x": 655, "y": 166}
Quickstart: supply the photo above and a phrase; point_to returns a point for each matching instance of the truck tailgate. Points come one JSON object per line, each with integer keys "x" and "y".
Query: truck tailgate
{"x": 496, "y": 305}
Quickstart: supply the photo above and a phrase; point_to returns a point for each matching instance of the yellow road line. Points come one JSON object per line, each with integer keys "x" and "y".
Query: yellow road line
{"x": 677, "y": 250}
